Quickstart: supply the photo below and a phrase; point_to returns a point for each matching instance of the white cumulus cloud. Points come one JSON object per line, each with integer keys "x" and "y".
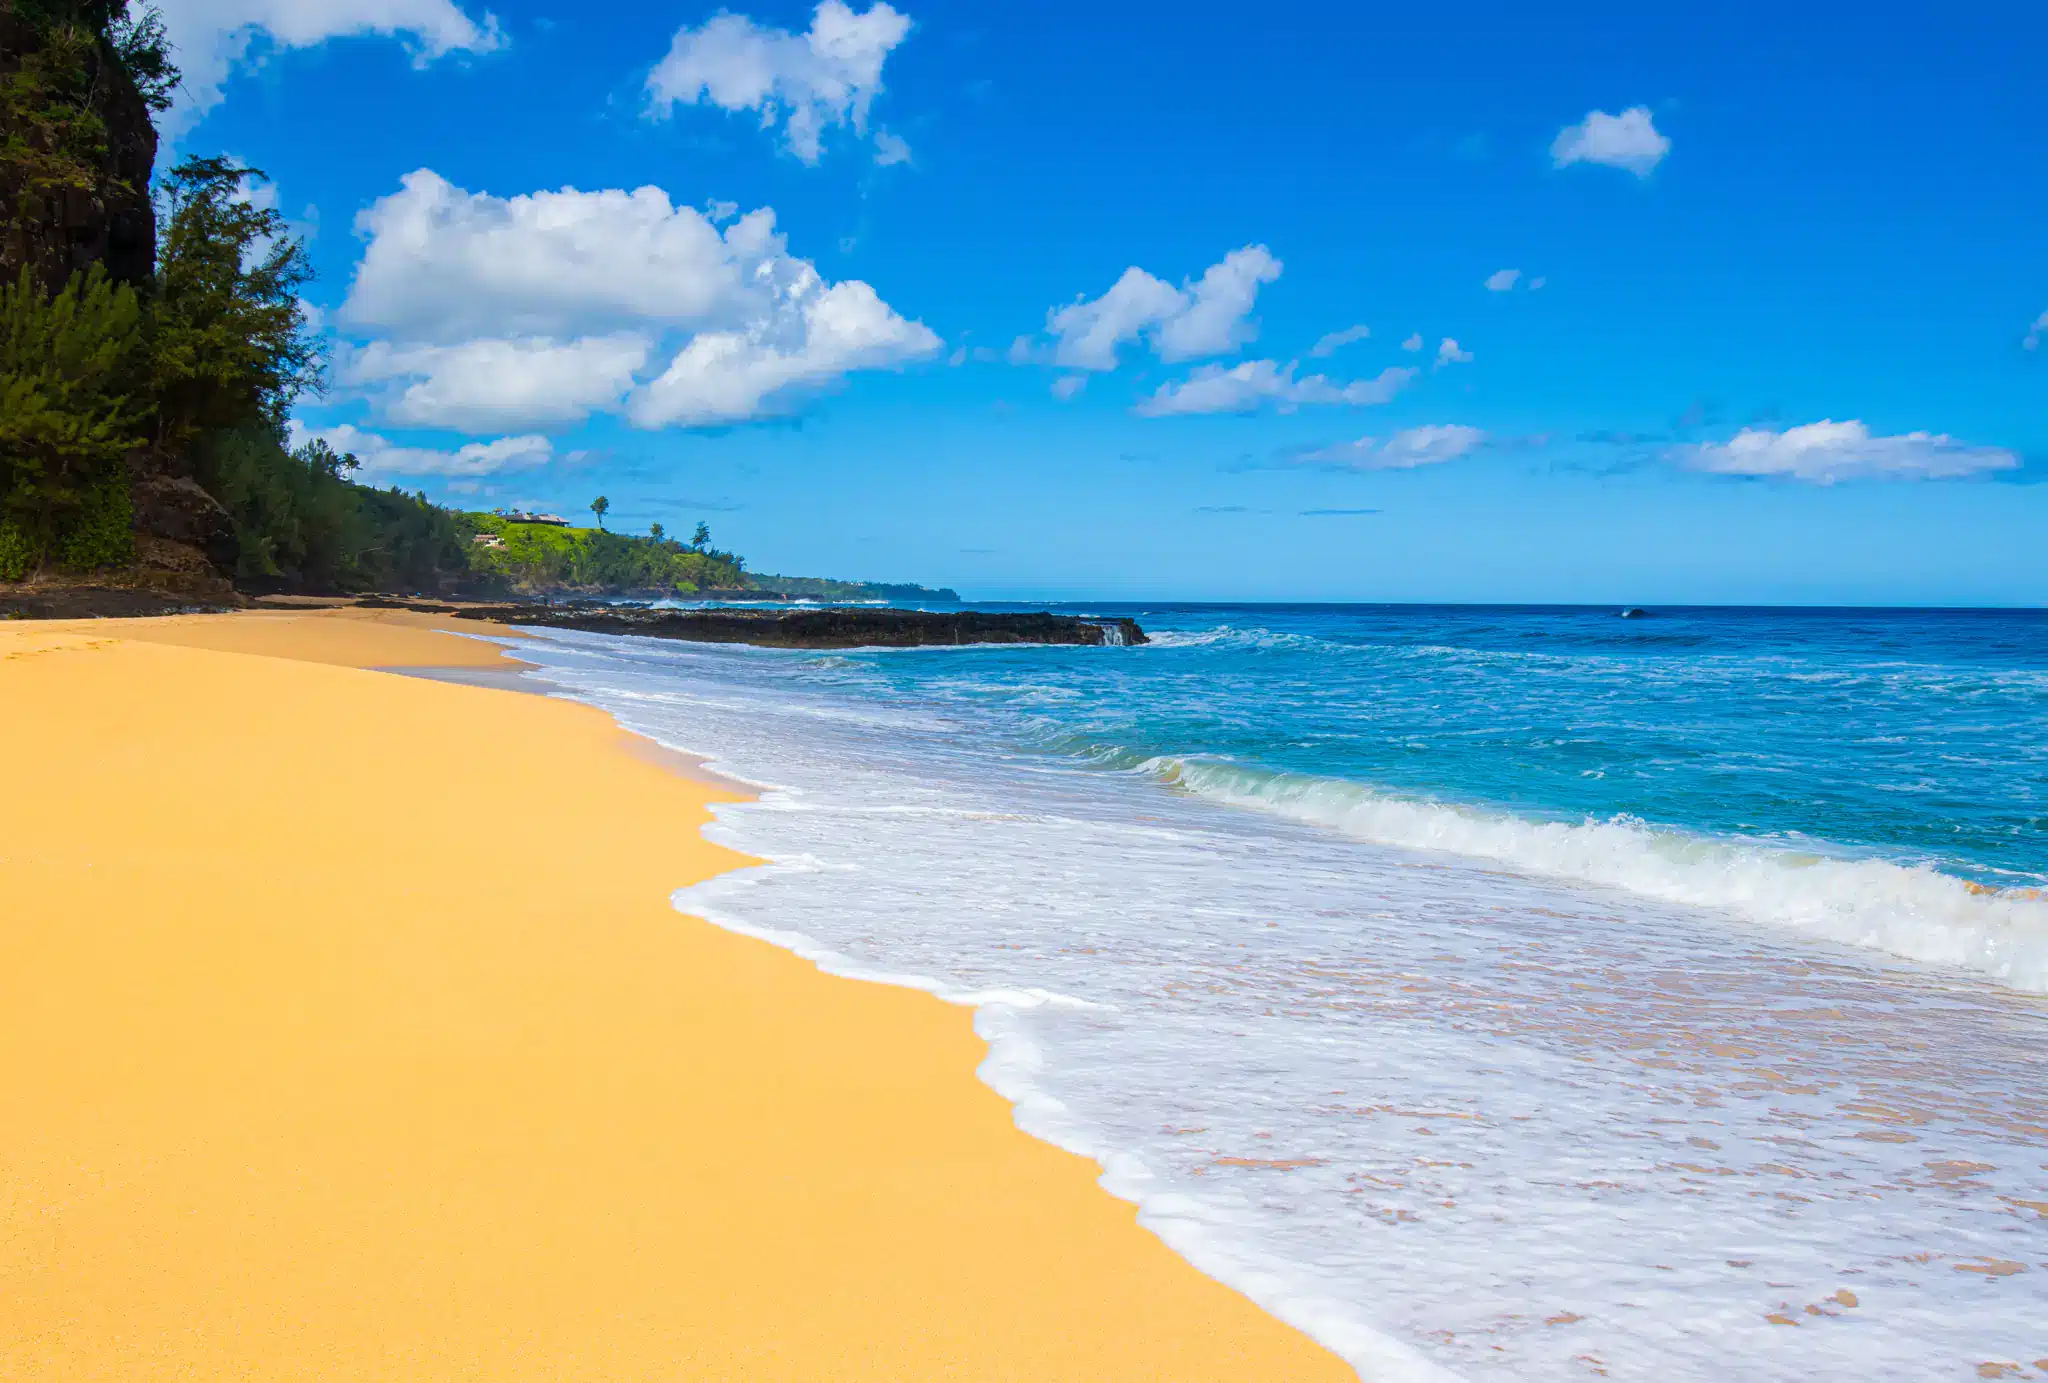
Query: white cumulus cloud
{"x": 486, "y": 383}
{"x": 212, "y": 36}
{"x": 1825, "y": 452}
{"x": 1248, "y": 386}
{"x": 805, "y": 83}
{"x": 1066, "y": 386}
{"x": 818, "y": 333}
{"x": 1502, "y": 280}
{"x": 503, "y": 312}
{"x": 2035, "y": 332}
{"x": 1413, "y": 343}
{"x": 1450, "y": 353}
{"x": 1337, "y": 340}
{"x": 1629, "y": 140}
{"x": 1208, "y": 316}
{"x": 443, "y": 263}
{"x": 1428, "y": 445}
{"x": 383, "y": 459}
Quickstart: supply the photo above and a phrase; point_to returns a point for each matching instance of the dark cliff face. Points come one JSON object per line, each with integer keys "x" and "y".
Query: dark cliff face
{"x": 77, "y": 155}
{"x": 77, "y": 151}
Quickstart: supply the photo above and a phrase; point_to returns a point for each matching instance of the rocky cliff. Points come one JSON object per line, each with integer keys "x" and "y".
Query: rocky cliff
{"x": 77, "y": 154}
{"x": 77, "y": 150}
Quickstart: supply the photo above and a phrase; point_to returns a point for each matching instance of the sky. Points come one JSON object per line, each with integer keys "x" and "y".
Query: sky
{"x": 1712, "y": 304}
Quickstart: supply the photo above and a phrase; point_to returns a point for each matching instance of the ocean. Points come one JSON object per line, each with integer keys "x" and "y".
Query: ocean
{"x": 1491, "y": 992}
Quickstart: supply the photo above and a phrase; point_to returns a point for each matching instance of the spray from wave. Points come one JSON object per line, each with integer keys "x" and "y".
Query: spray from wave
{"x": 1913, "y": 911}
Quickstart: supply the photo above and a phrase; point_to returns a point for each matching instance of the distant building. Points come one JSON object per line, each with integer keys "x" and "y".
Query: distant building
{"x": 488, "y": 540}
{"x": 521, "y": 516}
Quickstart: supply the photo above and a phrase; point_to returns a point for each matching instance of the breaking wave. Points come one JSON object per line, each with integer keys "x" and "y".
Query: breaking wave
{"x": 1909, "y": 910}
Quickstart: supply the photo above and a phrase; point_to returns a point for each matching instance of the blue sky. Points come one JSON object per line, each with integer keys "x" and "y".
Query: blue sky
{"x": 1027, "y": 300}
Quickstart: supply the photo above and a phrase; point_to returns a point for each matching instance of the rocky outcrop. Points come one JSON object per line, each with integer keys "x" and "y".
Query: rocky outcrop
{"x": 81, "y": 601}
{"x": 74, "y": 184}
{"x": 172, "y": 509}
{"x": 830, "y": 628}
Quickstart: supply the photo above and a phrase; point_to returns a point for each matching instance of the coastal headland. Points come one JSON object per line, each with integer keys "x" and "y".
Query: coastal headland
{"x": 348, "y": 1033}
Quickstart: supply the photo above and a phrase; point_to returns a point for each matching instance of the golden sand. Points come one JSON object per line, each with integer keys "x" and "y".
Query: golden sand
{"x": 346, "y": 1032}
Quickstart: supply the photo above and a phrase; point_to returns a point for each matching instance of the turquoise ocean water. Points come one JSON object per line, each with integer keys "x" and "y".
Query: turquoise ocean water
{"x": 1492, "y": 991}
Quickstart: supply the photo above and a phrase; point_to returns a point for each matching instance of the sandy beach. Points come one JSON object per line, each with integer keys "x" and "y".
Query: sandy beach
{"x": 348, "y": 1032}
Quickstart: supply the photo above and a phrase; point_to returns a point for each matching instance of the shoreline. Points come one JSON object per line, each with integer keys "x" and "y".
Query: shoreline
{"x": 455, "y": 1091}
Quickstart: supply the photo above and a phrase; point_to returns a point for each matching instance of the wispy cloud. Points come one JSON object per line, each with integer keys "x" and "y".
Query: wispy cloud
{"x": 1336, "y": 513}
{"x": 1337, "y": 340}
{"x": 1257, "y": 383}
{"x": 1502, "y": 280}
{"x": 1428, "y": 445}
{"x": 1826, "y": 452}
{"x": 2035, "y": 332}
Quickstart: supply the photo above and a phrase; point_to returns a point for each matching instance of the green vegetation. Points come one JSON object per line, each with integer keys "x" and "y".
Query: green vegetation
{"x": 72, "y": 404}
{"x": 536, "y": 558}
{"x": 203, "y": 369}
{"x": 301, "y": 523}
{"x": 56, "y": 150}
{"x": 823, "y": 588}
{"x": 232, "y": 347}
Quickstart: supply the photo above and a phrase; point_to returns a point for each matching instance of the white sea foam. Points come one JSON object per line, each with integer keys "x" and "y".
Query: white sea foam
{"x": 1451, "y": 1119}
{"x": 1915, "y": 912}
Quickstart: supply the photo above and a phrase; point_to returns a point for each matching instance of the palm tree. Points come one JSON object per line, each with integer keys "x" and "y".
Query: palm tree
{"x": 600, "y": 507}
{"x": 654, "y": 531}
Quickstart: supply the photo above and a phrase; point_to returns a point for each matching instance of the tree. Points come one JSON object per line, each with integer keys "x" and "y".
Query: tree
{"x": 654, "y": 531}
{"x": 138, "y": 39}
{"x": 232, "y": 346}
{"x": 701, "y": 539}
{"x": 71, "y": 406}
{"x": 600, "y": 507}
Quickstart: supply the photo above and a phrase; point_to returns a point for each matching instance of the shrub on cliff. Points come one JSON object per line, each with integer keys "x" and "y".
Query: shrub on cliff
{"x": 73, "y": 403}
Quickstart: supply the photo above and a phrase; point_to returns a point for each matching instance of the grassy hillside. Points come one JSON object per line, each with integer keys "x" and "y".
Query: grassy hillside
{"x": 537, "y": 559}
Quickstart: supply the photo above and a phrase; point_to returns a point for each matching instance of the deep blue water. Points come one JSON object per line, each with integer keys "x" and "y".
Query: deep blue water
{"x": 1912, "y": 735}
